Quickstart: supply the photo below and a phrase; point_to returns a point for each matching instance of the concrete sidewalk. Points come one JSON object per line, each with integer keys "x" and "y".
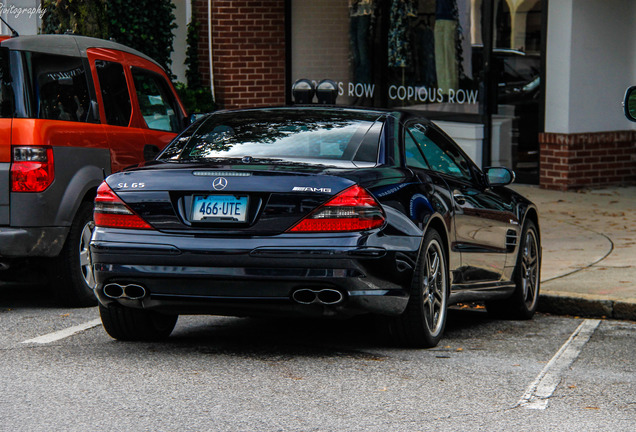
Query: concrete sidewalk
{"x": 589, "y": 251}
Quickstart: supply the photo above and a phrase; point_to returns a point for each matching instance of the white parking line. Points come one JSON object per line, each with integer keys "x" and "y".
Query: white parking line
{"x": 61, "y": 334}
{"x": 540, "y": 391}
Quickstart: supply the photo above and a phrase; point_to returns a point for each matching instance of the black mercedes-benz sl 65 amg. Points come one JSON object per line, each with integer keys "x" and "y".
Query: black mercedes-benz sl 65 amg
{"x": 312, "y": 211}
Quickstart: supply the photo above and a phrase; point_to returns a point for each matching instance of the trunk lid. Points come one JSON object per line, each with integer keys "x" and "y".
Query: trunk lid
{"x": 245, "y": 200}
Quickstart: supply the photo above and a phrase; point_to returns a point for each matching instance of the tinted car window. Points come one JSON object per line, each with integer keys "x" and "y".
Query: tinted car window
{"x": 414, "y": 157}
{"x": 114, "y": 89}
{"x": 60, "y": 87}
{"x": 280, "y": 134}
{"x": 519, "y": 68}
{"x": 440, "y": 157}
{"x": 156, "y": 102}
{"x": 6, "y": 92}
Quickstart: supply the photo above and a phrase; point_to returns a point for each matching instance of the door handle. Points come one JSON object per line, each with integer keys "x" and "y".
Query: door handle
{"x": 459, "y": 197}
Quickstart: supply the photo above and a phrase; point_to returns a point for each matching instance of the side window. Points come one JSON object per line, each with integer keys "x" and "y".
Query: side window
{"x": 60, "y": 87}
{"x": 6, "y": 94}
{"x": 414, "y": 157}
{"x": 156, "y": 102}
{"x": 442, "y": 159}
{"x": 115, "y": 96}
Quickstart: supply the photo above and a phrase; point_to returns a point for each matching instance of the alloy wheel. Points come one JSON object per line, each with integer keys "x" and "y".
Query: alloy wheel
{"x": 530, "y": 268}
{"x": 86, "y": 262}
{"x": 434, "y": 282}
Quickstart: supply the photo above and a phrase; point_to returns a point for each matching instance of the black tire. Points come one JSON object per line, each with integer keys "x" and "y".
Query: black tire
{"x": 422, "y": 323}
{"x": 523, "y": 303}
{"x": 71, "y": 273}
{"x": 128, "y": 324}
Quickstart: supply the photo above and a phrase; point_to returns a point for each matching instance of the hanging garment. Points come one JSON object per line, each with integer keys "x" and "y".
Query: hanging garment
{"x": 359, "y": 40}
{"x": 465, "y": 57}
{"x": 425, "y": 56}
{"x": 399, "y": 44}
{"x": 445, "y": 55}
{"x": 360, "y": 7}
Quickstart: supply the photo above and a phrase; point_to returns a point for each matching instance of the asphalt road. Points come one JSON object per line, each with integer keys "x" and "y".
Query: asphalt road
{"x": 59, "y": 370}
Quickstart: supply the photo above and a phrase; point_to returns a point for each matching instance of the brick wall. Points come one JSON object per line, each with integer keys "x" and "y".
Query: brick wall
{"x": 248, "y": 48}
{"x": 574, "y": 161}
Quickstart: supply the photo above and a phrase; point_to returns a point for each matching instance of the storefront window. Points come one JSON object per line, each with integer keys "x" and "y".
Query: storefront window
{"x": 388, "y": 53}
{"x": 428, "y": 55}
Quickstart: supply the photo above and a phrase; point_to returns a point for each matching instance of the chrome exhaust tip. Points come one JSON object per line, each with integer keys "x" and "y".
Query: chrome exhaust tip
{"x": 329, "y": 296}
{"x": 134, "y": 292}
{"x": 325, "y": 296}
{"x": 304, "y": 296}
{"x": 113, "y": 291}
{"x": 129, "y": 291}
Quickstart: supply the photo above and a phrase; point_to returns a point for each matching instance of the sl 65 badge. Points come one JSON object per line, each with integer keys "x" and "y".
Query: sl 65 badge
{"x": 131, "y": 185}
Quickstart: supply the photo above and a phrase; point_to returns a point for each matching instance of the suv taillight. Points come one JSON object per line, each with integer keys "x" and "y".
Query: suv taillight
{"x": 353, "y": 209}
{"x": 112, "y": 212}
{"x": 32, "y": 169}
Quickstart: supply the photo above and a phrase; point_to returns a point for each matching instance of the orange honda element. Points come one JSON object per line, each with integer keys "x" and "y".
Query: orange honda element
{"x": 72, "y": 110}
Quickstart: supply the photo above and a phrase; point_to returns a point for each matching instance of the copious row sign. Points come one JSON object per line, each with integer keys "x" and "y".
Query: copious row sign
{"x": 421, "y": 94}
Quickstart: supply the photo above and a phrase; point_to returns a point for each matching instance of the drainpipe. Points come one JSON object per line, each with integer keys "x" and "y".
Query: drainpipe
{"x": 210, "y": 50}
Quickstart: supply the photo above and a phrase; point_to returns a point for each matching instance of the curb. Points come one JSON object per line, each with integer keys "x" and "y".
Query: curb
{"x": 596, "y": 308}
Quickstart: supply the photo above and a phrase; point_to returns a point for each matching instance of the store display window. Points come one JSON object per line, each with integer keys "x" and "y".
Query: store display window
{"x": 389, "y": 53}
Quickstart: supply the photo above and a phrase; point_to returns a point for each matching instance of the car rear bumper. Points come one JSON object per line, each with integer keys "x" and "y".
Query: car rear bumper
{"x": 31, "y": 241}
{"x": 251, "y": 276}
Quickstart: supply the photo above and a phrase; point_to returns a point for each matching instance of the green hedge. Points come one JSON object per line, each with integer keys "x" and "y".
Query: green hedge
{"x": 145, "y": 25}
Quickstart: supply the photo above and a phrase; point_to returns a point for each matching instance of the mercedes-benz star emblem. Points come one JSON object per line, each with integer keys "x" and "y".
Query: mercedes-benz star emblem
{"x": 219, "y": 183}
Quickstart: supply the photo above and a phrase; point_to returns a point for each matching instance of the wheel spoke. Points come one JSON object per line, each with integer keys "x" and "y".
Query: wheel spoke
{"x": 87, "y": 233}
{"x": 434, "y": 266}
{"x": 429, "y": 313}
{"x": 439, "y": 297}
{"x": 531, "y": 290}
{"x": 529, "y": 260}
{"x": 89, "y": 277}
{"x": 85, "y": 260}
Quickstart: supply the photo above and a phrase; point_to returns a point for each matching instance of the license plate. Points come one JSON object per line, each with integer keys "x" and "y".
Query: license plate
{"x": 219, "y": 208}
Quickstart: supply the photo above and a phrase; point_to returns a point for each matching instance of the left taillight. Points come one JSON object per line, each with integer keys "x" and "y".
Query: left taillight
{"x": 112, "y": 212}
{"x": 32, "y": 168}
{"x": 353, "y": 209}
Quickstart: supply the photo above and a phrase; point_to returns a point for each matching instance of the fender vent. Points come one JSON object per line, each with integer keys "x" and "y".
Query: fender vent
{"x": 511, "y": 240}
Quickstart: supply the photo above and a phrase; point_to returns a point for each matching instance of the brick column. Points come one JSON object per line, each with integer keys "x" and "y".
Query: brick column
{"x": 248, "y": 48}
{"x": 574, "y": 161}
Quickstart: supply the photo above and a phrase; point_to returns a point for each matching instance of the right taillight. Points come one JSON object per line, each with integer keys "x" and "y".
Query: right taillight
{"x": 32, "y": 168}
{"x": 353, "y": 209}
{"x": 112, "y": 212}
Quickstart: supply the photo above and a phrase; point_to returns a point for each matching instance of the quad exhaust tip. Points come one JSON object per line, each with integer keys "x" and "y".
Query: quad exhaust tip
{"x": 325, "y": 296}
{"x": 129, "y": 291}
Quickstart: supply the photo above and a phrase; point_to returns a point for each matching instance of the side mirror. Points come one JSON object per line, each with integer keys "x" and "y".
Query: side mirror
{"x": 499, "y": 176}
{"x": 629, "y": 104}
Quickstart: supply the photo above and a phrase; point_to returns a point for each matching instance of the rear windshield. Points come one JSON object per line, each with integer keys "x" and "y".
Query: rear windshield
{"x": 288, "y": 134}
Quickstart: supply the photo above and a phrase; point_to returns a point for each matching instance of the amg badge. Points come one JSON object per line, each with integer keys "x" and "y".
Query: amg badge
{"x": 310, "y": 189}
